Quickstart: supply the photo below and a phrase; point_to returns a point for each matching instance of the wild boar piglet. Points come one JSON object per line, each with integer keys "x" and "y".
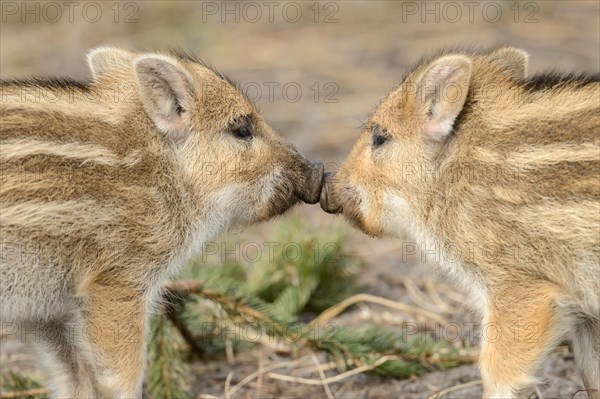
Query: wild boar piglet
{"x": 497, "y": 173}
{"x": 109, "y": 187}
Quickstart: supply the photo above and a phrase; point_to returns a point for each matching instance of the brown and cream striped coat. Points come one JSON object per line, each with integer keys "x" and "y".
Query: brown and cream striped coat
{"x": 109, "y": 187}
{"x": 499, "y": 173}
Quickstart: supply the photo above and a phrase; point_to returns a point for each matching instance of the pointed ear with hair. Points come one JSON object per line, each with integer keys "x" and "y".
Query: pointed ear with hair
{"x": 167, "y": 93}
{"x": 512, "y": 61}
{"x": 104, "y": 59}
{"x": 442, "y": 90}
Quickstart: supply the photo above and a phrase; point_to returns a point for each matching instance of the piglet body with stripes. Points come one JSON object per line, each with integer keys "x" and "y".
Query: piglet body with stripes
{"x": 494, "y": 176}
{"x": 109, "y": 187}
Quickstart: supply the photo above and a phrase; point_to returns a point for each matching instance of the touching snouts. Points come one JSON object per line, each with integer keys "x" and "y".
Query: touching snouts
{"x": 310, "y": 192}
{"x": 328, "y": 199}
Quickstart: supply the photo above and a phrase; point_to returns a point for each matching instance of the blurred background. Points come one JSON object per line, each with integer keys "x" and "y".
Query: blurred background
{"x": 316, "y": 70}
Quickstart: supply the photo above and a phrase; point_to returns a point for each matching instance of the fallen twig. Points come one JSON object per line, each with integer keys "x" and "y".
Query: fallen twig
{"x": 440, "y": 394}
{"x": 228, "y": 385}
{"x": 435, "y": 296}
{"x": 340, "y": 307}
{"x": 264, "y": 370}
{"x": 337, "y": 378}
{"x": 323, "y": 376}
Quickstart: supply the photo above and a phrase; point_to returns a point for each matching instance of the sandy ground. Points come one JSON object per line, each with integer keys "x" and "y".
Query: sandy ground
{"x": 342, "y": 59}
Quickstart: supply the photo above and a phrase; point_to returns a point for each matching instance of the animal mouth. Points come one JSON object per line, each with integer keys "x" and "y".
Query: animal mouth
{"x": 311, "y": 192}
{"x": 326, "y": 199}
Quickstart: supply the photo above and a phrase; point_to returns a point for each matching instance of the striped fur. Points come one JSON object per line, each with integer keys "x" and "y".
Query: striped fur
{"x": 101, "y": 201}
{"x": 517, "y": 175}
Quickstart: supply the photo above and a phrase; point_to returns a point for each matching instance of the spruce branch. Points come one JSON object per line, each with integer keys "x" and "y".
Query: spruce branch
{"x": 167, "y": 372}
{"x": 21, "y": 385}
{"x": 173, "y": 312}
{"x": 273, "y": 297}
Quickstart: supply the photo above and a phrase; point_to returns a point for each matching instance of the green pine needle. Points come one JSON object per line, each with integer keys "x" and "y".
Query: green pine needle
{"x": 271, "y": 297}
{"x": 167, "y": 372}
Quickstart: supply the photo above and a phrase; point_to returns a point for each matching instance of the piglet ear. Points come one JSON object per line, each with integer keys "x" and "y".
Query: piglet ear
{"x": 512, "y": 61}
{"x": 102, "y": 60}
{"x": 441, "y": 93}
{"x": 167, "y": 92}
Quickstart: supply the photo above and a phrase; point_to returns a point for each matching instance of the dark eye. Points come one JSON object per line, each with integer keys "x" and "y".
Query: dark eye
{"x": 241, "y": 128}
{"x": 241, "y": 132}
{"x": 378, "y": 140}
{"x": 379, "y": 136}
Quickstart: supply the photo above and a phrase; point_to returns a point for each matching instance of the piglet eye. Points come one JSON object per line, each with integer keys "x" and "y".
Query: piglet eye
{"x": 241, "y": 128}
{"x": 378, "y": 136}
{"x": 379, "y": 140}
{"x": 242, "y": 132}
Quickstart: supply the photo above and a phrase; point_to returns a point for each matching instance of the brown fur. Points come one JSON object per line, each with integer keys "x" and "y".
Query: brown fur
{"x": 501, "y": 173}
{"x": 109, "y": 187}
